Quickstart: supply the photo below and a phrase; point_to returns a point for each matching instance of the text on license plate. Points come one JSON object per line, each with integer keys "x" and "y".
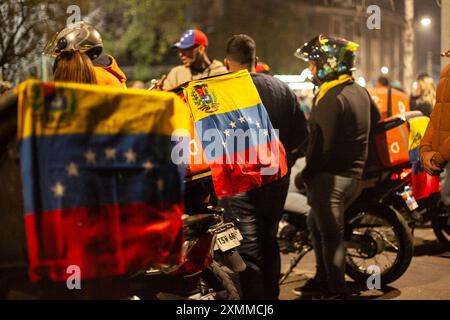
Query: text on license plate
{"x": 228, "y": 239}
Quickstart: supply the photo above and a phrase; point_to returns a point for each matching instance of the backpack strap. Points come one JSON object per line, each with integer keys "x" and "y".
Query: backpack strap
{"x": 389, "y": 106}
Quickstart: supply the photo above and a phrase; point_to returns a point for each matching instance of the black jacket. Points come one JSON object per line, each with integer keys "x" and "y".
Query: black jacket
{"x": 340, "y": 128}
{"x": 284, "y": 112}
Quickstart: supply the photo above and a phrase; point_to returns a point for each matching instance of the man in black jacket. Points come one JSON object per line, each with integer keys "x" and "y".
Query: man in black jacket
{"x": 260, "y": 210}
{"x": 336, "y": 156}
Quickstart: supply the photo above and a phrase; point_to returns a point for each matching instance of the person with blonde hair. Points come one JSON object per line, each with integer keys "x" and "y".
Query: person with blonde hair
{"x": 424, "y": 95}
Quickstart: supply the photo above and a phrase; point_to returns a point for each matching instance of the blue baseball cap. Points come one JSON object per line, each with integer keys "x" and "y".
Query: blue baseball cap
{"x": 191, "y": 38}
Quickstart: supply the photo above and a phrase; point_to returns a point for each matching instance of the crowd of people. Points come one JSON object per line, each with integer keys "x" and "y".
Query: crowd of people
{"x": 334, "y": 139}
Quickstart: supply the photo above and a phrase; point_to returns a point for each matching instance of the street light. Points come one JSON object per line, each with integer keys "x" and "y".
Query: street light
{"x": 425, "y": 22}
{"x": 384, "y": 70}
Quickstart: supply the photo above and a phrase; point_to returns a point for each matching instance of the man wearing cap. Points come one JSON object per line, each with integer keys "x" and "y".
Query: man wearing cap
{"x": 196, "y": 64}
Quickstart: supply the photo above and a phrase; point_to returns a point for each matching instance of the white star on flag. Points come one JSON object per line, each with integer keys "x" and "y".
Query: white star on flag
{"x": 233, "y": 124}
{"x": 227, "y": 133}
{"x": 224, "y": 144}
{"x": 265, "y": 132}
{"x": 58, "y": 190}
{"x": 241, "y": 119}
{"x": 148, "y": 166}
{"x": 258, "y": 125}
{"x": 90, "y": 156}
{"x": 110, "y": 153}
{"x": 72, "y": 170}
{"x": 249, "y": 120}
{"x": 130, "y": 155}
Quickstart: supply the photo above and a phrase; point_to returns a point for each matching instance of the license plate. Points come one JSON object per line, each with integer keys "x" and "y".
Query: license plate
{"x": 410, "y": 201}
{"x": 228, "y": 237}
{"x": 209, "y": 296}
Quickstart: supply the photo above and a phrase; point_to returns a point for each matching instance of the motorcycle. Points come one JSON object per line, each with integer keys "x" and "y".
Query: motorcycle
{"x": 429, "y": 210}
{"x": 209, "y": 254}
{"x": 375, "y": 232}
{"x": 426, "y": 210}
{"x": 208, "y": 259}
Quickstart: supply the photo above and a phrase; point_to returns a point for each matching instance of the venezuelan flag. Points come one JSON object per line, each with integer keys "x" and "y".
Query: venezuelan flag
{"x": 423, "y": 184}
{"x": 100, "y": 188}
{"x": 239, "y": 142}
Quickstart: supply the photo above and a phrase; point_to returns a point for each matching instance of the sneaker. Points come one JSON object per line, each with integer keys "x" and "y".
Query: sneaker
{"x": 312, "y": 286}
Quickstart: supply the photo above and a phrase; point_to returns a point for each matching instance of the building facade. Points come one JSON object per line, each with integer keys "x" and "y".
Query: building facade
{"x": 280, "y": 27}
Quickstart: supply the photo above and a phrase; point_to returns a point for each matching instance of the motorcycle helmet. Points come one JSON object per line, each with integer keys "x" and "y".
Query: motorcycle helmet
{"x": 332, "y": 56}
{"x": 79, "y": 36}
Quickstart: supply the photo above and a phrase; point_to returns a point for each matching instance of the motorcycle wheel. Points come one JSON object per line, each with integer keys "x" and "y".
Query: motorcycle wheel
{"x": 216, "y": 278}
{"x": 383, "y": 235}
{"x": 441, "y": 227}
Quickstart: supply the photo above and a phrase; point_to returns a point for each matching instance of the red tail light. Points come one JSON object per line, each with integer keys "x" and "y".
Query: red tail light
{"x": 402, "y": 176}
{"x": 405, "y": 173}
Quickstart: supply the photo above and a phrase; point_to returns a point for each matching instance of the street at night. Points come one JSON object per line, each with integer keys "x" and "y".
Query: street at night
{"x": 254, "y": 152}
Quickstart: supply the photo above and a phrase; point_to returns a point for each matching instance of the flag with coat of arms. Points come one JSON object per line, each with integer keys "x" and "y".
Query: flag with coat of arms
{"x": 101, "y": 191}
{"x": 239, "y": 142}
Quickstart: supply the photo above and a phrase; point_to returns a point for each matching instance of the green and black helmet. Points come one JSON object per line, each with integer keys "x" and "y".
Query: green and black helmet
{"x": 333, "y": 56}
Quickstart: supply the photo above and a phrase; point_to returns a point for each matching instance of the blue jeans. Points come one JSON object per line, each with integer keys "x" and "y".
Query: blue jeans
{"x": 259, "y": 211}
{"x": 329, "y": 196}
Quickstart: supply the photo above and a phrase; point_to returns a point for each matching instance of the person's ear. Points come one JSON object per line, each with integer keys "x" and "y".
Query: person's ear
{"x": 226, "y": 64}
{"x": 201, "y": 49}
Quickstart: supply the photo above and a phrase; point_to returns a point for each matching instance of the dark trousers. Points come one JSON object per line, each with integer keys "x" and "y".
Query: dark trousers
{"x": 259, "y": 212}
{"x": 329, "y": 196}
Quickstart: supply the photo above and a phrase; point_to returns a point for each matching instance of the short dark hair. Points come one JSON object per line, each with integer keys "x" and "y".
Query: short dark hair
{"x": 241, "y": 48}
{"x": 384, "y": 81}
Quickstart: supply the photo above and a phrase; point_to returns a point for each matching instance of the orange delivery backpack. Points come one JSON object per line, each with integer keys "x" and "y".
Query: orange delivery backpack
{"x": 392, "y": 139}
{"x": 389, "y": 101}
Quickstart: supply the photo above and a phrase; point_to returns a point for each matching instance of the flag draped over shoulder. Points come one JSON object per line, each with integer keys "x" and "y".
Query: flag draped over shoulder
{"x": 100, "y": 189}
{"x": 423, "y": 184}
{"x": 239, "y": 142}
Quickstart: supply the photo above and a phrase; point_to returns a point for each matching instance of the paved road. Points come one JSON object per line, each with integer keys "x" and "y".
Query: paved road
{"x": 427, "y": 278}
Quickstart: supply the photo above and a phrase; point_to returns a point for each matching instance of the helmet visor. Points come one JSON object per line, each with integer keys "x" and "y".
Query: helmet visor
{"x": 51, "y": 47}
{"x": 301, "y": 55}
{"x": 310, "y": 51}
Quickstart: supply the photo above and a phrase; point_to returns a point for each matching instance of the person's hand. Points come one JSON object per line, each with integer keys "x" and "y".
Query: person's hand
{"x": 429, "y": 165}
{"x": 157, "y": 84}
{"x": 438, "y": 161}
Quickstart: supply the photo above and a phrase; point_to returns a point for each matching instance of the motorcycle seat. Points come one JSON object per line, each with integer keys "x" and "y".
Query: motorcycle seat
{"x": 199, "y": 223}
{"x": 296, "y": 203}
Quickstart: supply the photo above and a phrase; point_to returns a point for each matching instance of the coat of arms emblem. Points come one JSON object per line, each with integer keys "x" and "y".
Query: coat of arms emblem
{"x": 54, "y": 106}
{"x": 204, "y": 98}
